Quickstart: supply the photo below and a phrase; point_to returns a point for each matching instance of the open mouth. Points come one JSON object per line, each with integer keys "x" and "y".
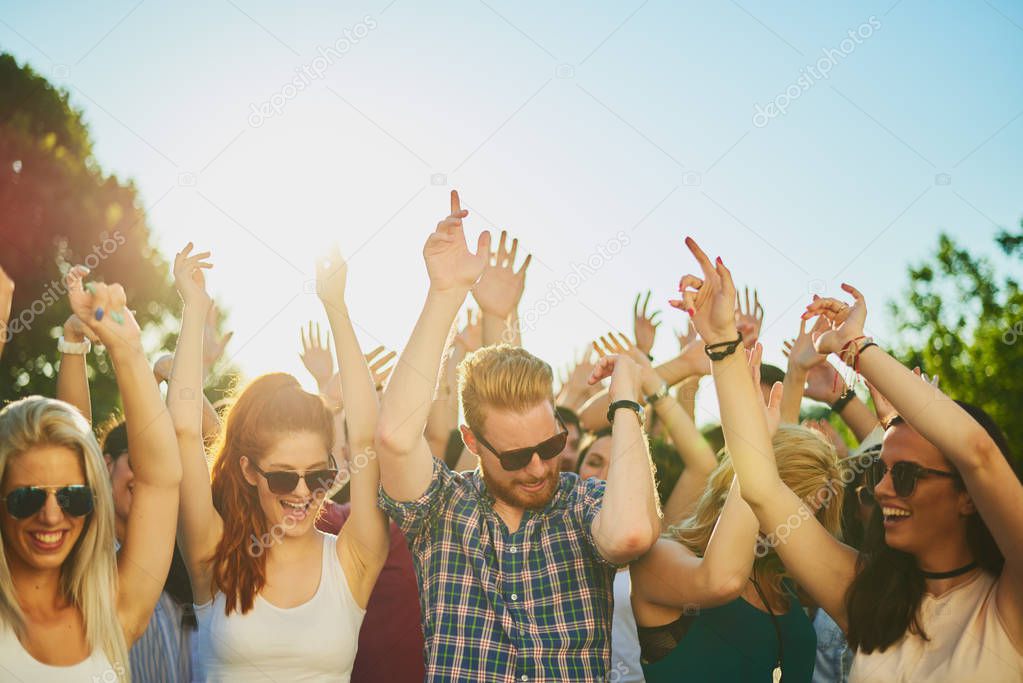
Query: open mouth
{"x": 893, "y": 516}
{"x": 47, "y": 541}
{"x": 295, "y": 509}
{"x": 534, "y": 487}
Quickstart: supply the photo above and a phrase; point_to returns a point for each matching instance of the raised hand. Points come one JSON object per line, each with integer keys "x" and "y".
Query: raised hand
{"x": 800, "y": 351}
{"x": 772, "y": 408}
{"x": 500, "y": 288}
{"x": 162, "y": 367}
{"x": 331, "y": 275}
{"x": 687, "y": 337}
{"x": 317, "y": 356}
{"x": 619, "y": 344}
{"x": 76, "y": 331}
{"x": 449, "y": 262}
{"x": 380, "y": 366}
{"x": 708, "y": 300}
{"x": 470, "y": 337}
{"x": 101, "y": 308}
{"x": 624, "y": 373}
{"x": 824, "y": 383}
{"x": 214, "y": 343}
{"x": 750, "y": 320}
{"x": 189, "y": 278}
{"x": 643, "y": 326}
{"x": 842, "y": 323}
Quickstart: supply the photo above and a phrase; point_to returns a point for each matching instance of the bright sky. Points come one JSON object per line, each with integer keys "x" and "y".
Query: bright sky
{"x": 580, "y": 127}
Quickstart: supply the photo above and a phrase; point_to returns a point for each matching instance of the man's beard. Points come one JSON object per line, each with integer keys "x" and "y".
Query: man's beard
{"x": 512, "y": 494}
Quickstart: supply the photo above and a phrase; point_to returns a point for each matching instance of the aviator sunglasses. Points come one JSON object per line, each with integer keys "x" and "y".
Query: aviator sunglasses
{"x": 518, "y": 458}
{"x": 25, "y": 501}
{"x": 905, "y": 474}
{"x": 285, "y": 481}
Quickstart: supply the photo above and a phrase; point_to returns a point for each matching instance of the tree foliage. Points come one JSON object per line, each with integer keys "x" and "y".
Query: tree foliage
{"x": 58, "y": 207}
{"x": 964, "y": 322}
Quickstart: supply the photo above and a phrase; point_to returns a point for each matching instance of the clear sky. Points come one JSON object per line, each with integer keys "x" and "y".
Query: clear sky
{"x": 572, "y": 125}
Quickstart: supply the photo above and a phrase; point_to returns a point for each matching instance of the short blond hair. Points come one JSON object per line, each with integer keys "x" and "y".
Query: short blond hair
{"x": 503, "y": 377}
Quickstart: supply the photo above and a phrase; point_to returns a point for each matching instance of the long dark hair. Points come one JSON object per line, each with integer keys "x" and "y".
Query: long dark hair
{"x": 883, "y": 601}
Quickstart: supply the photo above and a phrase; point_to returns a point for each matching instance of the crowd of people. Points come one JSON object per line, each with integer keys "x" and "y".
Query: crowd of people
{"x": 454, "y": 512}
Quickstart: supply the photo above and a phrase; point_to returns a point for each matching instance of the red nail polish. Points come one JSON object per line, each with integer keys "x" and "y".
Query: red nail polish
{"x": 691, "y": 312}
{"x": 720, "y": 262}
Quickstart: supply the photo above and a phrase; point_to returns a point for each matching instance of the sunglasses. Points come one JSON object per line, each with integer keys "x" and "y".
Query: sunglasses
{"x": 905, "y": 474}
{"x": 25, "y": 501}
{"x": 286, "y": 481}
{"x": 518, "y": 458}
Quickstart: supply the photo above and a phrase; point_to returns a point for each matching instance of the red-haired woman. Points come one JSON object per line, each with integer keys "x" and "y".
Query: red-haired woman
{"x": 276, "y": 599}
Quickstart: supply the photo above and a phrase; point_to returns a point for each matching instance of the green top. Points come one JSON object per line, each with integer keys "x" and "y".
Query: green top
{"x": 731, "y": 643}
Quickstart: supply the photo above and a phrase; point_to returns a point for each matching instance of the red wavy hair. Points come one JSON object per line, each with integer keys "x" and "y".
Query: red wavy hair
{"x": 267, "y": 408}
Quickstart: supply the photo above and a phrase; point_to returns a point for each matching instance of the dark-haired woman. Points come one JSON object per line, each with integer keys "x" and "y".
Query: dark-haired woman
{"x": 276, "y": 599}
{"x": 937, "y": 590}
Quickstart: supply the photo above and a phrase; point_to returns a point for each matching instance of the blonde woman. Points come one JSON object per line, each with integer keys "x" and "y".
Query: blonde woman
{"x": 711, "y": 603}
{"x": 68, "y": 610}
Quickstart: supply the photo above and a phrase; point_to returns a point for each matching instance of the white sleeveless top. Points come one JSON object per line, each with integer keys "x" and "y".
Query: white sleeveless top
{"x": 967, "y": 642}
{"x": 315, "y": 641}
{"x": 18, "y": 665}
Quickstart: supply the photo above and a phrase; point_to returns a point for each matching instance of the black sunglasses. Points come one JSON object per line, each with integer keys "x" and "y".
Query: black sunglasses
{"x": 25, "y": 501}
{"x": 285, "y": 481}
{"x": 904, "y": 475}
{"x": 518, "y": 458}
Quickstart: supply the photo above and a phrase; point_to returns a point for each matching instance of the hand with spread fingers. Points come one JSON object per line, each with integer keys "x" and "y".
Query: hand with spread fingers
{"x": 823, "y": 383}
{"x": 624, "y": 373}
{"x": 644, "y": 326}
{"x": 449, "y": 263}
{"x": 317, "y": 356}
{"x": 500, "y": 288}
{"x": 214, "y": 344}
{"x": 710, "y": 300}
{"x": 380, "y": 366}
{"x": 620, "y": 345}
{"x": 772, "y": 407}
{"x": 842, "y": 324}
{"x": 470, "y": 337}
{"x": 189, "y": 278}
{"x": 749, "y": 320}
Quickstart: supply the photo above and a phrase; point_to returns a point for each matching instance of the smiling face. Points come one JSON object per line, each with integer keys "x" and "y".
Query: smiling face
{"x": 43, "y": 540}
{"x": 935, "y": 512}
{"x": 293, "y": 512}
{"x": 597, "y": 460}
{"x": 534, "y": 485}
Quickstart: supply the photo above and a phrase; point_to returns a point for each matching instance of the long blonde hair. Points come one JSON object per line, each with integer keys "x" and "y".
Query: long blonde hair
{"x": 89, "y": 574}
{"x": 807, "y": 463}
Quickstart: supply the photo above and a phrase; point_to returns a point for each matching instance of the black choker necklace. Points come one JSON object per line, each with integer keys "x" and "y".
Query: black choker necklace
{"x": 948, "y": 575}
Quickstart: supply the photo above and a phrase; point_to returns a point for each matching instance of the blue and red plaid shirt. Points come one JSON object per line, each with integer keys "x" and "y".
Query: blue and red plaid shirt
{"x": 533, "y": 605}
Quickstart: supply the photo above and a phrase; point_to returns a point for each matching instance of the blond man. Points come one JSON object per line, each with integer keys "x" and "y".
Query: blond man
{"x": 515, "y": 559}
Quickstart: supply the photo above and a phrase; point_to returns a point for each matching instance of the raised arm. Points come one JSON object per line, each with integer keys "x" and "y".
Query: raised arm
{"x": 406, "y": 464}
{"x": 199, "y": 524}
{"x": 145, "y": 556}
{"x": 989, "y": 479}
{"x": 697, "y": 456}
{"x": 672, "y": 576}
{"x": 819, "y": 563}
{"x": 629, "y": 519}
{"x": 443, "y": 417}
{"x": 6, "y": 299}
{"x": 365, "y": 539}
{"x": 162, "y": 370}
{"x": 499, "y": 290}
{"x": 72, "y": 377}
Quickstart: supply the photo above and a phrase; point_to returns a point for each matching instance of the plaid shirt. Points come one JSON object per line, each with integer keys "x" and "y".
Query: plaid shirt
{"x": 534, "y": 605}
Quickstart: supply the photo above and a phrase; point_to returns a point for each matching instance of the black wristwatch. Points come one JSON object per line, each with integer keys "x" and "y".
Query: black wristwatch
{"x": 658, "y": 395}
{"x": 624, "y": 403}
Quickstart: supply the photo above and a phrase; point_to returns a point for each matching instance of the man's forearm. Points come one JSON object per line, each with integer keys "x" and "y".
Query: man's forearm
{"x": 630, "y": 515}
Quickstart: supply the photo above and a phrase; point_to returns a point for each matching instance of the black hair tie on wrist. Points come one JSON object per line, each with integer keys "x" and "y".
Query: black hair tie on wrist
{"x": 722, "y": 350}
{"x": 843, "y": 400}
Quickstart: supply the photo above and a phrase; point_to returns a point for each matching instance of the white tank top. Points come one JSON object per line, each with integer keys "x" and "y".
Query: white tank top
{"x": 18, "y": 665}
{"x": 967, "y": 642}
{"x": 315, "y": 641}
